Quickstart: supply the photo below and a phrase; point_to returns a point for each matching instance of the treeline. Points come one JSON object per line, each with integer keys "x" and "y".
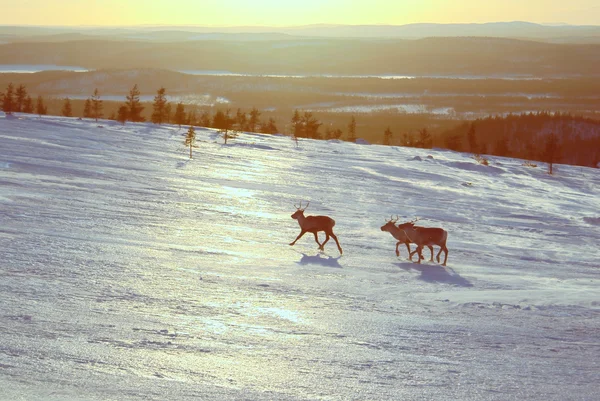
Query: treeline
{"x": 528, "y": 136}
{"x": 19, "y": 101}
{"x": 534, "y": 136}
{"x": 16, "y": 100}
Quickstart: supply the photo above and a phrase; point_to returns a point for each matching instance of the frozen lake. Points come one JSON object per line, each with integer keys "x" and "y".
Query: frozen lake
{"x": 129, "y": 272}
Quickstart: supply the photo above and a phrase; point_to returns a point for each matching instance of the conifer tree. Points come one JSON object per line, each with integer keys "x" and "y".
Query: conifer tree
{"x": 387, "y": 136}
{"x": 425, "y": 140}
{"x": 67, "y": 111}
{"x": 28, "y": 105}
{"x": 159, "y": 115}
{"x": 134, "y": 106}
{"x": 240, "y": 120}
{"x": 223, "y": 122}
{"x": 310, "y": 126}
{"x": 352, "y": 130}
{"x": 205, "y": 119}
{"x": 190, "y": 138}
{"x": 472, "y": 139}
{"x": 270, "y": 127}
{"x": 97, "y": 105}
{"x": 551, "y": 152}
{"x": 87, "y": 108}
{"x": 297, "y": 125}
{"x": 8, "y": 101}
{"x": 122, "y": 114}
{"x": 179, "y": 117}
{"x": 40, "y": 107}
{"x": 254, "y": 119}
{"x": 20, "y": 96}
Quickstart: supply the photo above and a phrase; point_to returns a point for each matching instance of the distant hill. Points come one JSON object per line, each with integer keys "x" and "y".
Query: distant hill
{"x": 431, "y": 56}
{"x": 516, "y": 30}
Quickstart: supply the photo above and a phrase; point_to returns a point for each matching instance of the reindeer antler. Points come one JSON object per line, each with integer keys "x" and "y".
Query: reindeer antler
{"x": 392, "y": 220}
{"x": 413, "y": 221}
{"x": 300, "y": 208}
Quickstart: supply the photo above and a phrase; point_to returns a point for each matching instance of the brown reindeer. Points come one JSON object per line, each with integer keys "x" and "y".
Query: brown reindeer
{"x": 400, "y": 235}
{"x": 314, "y": 224}
{"x": 426, "y": 236}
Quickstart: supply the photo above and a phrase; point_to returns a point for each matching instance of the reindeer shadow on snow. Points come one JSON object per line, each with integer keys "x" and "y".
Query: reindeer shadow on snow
{"x": 436, "y": 274}
{"x": 321, "y": 260}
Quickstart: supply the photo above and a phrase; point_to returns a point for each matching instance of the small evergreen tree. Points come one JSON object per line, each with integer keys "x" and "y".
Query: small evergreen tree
{"x": 425, "y": 140}
{"x": 40, "y": 107}
{"x": 8, "y": 101}
{"x": 310, "y": 126}
{"x": 67, "y": 111}
{"x": 159, "y": 115}
{"x": 28, "y": 105}
{"x": 472, "y": 139}
{"x": 179, "y": 117}
{"x": 87, "y": 108}
{"x": 122, "y": 114}
{"x": 240, "y": 120}
{"x": 223, "y": 122}
{"x": 190, "y": 138}
{"x": 97, "y": 105}
{"x": 205, "y": 119}
{"x": 134, "y": 105}
{"x": 297, "y": 130}
{"x": 387, "y": 136}
{"x": 20, "y": 96}
{"x": 352, "y": 130}
{"x": 551, "y": 152}
{"x": 253, "y": 120}
{"x": 270, "y": 127}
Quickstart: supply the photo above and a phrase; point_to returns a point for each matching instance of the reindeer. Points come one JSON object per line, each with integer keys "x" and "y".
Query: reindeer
{"x": 400, "y": 235}
{"x": 425, "y": 236}
{"x": 314, "y": 224}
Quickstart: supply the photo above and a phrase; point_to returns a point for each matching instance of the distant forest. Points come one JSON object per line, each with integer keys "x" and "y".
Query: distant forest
{"x": 526, "y": 136}
{"x": 572, "y": 139}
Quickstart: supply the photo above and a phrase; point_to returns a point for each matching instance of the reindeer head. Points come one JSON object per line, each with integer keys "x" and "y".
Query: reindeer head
{"x": 299, "y": 211}
{"x": 389, "y": 224}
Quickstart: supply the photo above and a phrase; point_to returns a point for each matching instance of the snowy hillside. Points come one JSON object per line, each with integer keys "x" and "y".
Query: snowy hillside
{"x": 129, "y": 272}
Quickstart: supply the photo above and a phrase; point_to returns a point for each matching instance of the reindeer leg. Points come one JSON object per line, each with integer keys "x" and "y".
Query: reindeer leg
{"x": 298, "y": 237}
{"x": 397, "y": 250}
{"x": 336, "y": 241}
{"x": 317, "y": 239}
{"x": 445, "y": 256}
{"x": 420, "y": 253}
{"x": 431, "y": 249}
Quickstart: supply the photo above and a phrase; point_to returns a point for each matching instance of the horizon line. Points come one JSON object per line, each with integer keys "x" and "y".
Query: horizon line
{"x": 322, "y": 24}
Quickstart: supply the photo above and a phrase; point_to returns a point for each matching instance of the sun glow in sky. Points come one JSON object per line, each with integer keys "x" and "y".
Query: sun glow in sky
{"x": 293, "y": 12}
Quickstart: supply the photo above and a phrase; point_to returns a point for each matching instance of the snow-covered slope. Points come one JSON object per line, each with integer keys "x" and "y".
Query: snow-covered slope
{"x": 129, "y": 272}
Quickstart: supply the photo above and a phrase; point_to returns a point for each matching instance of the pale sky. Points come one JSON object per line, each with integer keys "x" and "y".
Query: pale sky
{"x": 293, "y": 12}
